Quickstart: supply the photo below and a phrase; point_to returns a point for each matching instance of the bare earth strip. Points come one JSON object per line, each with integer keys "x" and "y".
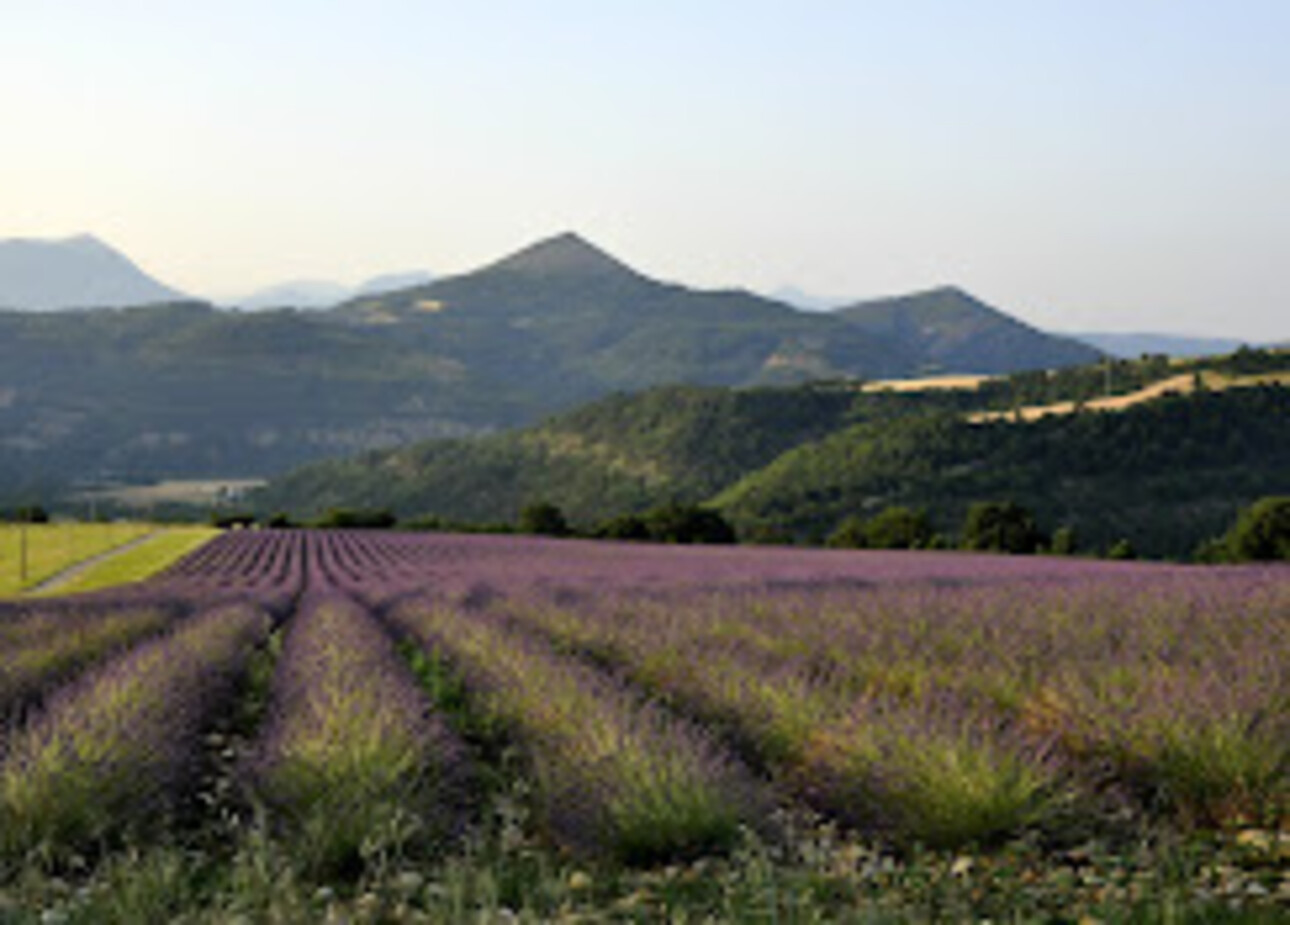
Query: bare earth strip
{"x": 1181, "y": 385}
{"x": 69, "y": 575}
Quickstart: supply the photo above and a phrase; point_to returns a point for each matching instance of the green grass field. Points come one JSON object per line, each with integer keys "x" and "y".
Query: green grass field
{"x": 140, "y": 562}
{"x": 33, "y": 554}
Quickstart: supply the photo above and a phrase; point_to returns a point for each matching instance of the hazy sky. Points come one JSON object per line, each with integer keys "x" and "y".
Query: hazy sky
{"x": 1086, "y": 164}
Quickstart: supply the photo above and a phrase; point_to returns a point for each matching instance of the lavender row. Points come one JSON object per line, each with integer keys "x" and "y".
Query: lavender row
{"x": 353, "y": 755}
{"x": 46, "y": 647}
{"x": 1180, "y": 685}
{"x": 613, "y": 773}
{"x": 118, "y": 744}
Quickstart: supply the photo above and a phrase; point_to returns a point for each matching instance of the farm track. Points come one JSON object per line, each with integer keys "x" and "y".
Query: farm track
{"x": 69, "y": 575}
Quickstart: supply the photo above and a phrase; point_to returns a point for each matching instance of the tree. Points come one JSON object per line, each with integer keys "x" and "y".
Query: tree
{"x": 543, "y": 519}
{"x": 850, "y": 534}
{"x": 1000, "y": 526}
{"x": 1262, "y": 531}
{"x": 1065, "y": 542}
{"x": 357, "y": 519}
{"x": 1122, "y": 550}
{"x": 899, "y": 528}
{"x": 688, "y": 523}
{"x": 624, "y": 527}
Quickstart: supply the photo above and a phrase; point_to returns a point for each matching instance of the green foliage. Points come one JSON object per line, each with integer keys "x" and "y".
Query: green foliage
{"x": 1064, "y": 542}
{"x": 26, "y": 514}
{"x": 1001, "y": 526}
{"x": 899, "y": 528}
{"x": 543, "y": 519}
{"x": 1122, "y": 550}
{"x": 1262, "y": 532}
{"x": 357, "y": 519}
{"x": 850, "y": 534}
{"x": 688, "y": 523}
{"x": 232, "y": 521}
{"x": 1165, "y": 474}
{"x": 896, "y": 527}
{"x": 621, "y": 454}
{"x": 624, "y": 527}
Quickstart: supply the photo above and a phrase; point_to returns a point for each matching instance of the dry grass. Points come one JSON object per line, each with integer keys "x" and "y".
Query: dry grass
{"x": 1175, "y": 385}
{"x": 925, "y": 384}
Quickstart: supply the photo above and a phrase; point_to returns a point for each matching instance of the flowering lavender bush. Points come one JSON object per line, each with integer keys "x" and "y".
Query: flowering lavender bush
{"x": 614, "y": 774}
{"x": 352, "y": 756}
{"x": 121, "y": 741}
{"x": 46, "y": 645}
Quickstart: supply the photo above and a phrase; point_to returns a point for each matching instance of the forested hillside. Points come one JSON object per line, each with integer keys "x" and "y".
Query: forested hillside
{"x": 793, "y": 463}
{"x": 1165, "y": 475}
{"x": 188, "y": 391}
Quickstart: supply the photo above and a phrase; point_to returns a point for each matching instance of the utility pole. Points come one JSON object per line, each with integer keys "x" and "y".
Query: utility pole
{"x": 22, "y": 549}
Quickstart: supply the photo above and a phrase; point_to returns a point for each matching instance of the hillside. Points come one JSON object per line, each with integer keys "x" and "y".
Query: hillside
{"x": 619, "y": 454}
{"x": 949, "y": 331}
{"x": 79, "y": 272}
{"x": 1165, "y": 474}
{"x": 182, "y": 390}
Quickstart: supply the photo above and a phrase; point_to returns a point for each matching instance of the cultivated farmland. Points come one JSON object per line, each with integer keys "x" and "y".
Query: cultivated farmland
{"x": 296, "y": 724}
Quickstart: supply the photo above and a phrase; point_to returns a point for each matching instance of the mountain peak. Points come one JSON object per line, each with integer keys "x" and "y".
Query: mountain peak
{"x": 567, "y": 254}
{"x": 81, "y": 271}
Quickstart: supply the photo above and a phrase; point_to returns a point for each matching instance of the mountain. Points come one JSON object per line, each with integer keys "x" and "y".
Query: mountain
{"x": 794, "y": 462}
{"x": 309, "y": 293}
{"x": 186, "y": 390}
{"x": 78, "y": 272}
{"x": 1166, "y": 474}
{"x": 949, "y": 331}
{"x": 564, "y": 317}
{"x": 621, "y": 453}
{"x": 1129, "y": 346}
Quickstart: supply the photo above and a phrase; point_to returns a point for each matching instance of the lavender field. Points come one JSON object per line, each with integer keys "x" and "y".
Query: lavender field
{"x": 415, "y": 726}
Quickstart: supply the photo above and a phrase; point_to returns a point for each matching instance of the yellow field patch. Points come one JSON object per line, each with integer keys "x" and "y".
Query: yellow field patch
{"x": 30, "y": 554}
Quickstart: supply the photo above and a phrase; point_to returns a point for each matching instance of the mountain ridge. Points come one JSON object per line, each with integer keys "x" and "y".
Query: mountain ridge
{"x": 102, "y": 395}
{"x": 81, "y": 271}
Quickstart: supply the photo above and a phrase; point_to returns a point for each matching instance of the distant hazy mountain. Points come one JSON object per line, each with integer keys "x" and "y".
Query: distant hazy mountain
{"x": 1131, "y": 346}
{"x": 188, "y": 390}
{"x": 808, "y": 301}
{"x": 947, "y": 330}
{"x": 310, "y": 293}
{"x": 79, "y": 272}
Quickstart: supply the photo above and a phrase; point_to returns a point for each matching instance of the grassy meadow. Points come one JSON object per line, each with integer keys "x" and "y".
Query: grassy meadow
{"x": 54, "y": 547}
{"x": 350, "y": 726}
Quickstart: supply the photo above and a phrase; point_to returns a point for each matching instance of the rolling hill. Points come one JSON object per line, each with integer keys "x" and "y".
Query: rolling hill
{"x": 78, "y": 272}
{"x": 947, "y": 330}
{"x": 184, "y": 390}
{"x": 1165, "y": 473}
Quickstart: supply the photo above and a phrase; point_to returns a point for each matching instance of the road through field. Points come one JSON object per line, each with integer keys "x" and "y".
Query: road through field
{"x": 68, "y": 575}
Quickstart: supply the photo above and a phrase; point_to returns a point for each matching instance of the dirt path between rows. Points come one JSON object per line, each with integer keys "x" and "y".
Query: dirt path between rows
{"x": 72, "y": 572}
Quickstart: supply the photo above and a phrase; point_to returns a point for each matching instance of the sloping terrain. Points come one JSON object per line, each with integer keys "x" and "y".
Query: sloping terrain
{"x": 184, "y": 391}
{"x": 79, "y": 272}
{"x": 1165, "y": 474}
{"x": 947, "y": 330}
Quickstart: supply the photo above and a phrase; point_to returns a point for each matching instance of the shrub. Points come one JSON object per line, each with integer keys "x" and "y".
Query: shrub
{"x": 624, "y": 527}
{"x": 899, "y": 528}
{"x": 357, "y": 519}
{"x": 1262, "y": 532}
{"x": 543, "y": 519}
{"x": 850, "y": 534}
{"x": 1122, "y": 550}
{"x": 688, "y": 523}
{"x": 1065, "y": 542}
{"x": 1000, "y": 526}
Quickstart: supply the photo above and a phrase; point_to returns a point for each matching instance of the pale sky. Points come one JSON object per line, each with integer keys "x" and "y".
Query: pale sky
{"x": 1084, "y": 164}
